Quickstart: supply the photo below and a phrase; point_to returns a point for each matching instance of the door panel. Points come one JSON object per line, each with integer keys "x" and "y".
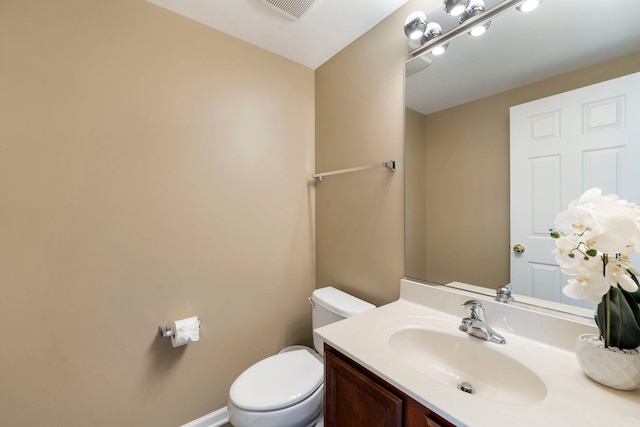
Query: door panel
{"x": 560, "y": 147}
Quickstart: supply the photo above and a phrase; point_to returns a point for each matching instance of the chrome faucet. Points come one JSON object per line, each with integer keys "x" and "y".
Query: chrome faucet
{"x": 475, "y": 324}
{"x": 505, "y": 294}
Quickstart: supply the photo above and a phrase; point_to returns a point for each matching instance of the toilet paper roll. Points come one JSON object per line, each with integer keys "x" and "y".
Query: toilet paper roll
{"x": 185, "y": 331}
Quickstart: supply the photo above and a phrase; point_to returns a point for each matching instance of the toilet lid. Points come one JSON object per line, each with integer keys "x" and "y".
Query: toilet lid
{"x": 277, "y": 382}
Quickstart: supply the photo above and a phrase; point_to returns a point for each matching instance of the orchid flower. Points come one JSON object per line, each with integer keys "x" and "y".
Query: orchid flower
{"x": 594, "y": 238}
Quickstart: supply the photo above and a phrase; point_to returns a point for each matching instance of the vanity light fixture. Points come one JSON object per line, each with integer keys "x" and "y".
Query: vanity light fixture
{"x": 473, "y": 18}
{"x": 529, "y": 5}
{"x": 455, "y": 7}
{"x": 415, "y": 25}
{"x": 421, "y": 32}
{"x": 432, "y": 31}
{"x": 475, "y": 8}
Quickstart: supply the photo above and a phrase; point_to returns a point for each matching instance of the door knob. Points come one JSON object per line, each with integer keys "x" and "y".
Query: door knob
{"x": 518, "y": 248}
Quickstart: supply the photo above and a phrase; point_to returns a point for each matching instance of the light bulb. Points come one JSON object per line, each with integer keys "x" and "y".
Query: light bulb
{"x": 415, "y": 25}
{"x": 529, "y": 5}
{"x": 455, "y": 7}
{"x": 439, "y": 50}
{"x": 479, "y": 30}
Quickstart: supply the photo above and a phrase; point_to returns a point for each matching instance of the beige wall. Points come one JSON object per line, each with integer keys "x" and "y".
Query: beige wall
{"x": 151, "y": 169}
{"x": 360, "y": 121}
{"x": 415, "y": 187}
{"x": 470, "y": 163}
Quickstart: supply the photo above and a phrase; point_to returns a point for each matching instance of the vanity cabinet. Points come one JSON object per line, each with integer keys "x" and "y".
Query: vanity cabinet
{"x": 355, "y": 397}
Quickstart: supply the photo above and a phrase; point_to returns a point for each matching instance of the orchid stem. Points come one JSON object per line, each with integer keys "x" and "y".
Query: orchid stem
{"x": 607, "y": 338}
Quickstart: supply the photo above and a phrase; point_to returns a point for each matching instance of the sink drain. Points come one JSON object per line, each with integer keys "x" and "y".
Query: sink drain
{"x": 466, "y": 387}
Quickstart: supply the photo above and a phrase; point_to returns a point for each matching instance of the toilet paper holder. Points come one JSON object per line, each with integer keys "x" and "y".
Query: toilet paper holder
{"x": 181, "y": 332}
{"x": 165, "y": 331}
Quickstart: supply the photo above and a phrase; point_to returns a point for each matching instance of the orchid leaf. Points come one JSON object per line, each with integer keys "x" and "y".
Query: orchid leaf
{"x": 618, "y": 319}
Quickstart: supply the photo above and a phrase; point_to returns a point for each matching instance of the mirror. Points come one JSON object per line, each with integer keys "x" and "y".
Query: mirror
{"x": 457, "y": 219}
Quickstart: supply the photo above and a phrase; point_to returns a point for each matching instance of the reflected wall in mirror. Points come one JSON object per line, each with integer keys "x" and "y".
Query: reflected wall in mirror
{"x": 457, "y": 127}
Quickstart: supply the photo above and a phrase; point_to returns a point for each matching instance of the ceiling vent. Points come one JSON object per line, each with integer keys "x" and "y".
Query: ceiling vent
{"x": 292, "y": 9}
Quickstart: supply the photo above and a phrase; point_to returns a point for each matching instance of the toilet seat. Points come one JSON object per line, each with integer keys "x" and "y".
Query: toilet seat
{"x": 277, "y": 382}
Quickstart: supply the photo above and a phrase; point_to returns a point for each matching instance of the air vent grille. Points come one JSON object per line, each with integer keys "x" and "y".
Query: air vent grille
{"x": 292, "y": 9}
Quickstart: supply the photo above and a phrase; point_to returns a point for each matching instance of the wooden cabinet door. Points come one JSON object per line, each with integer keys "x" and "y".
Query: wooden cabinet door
{"x": 353, "y": 399}
{"x": 431, "y": 421}
{"x": 416, "y": 415}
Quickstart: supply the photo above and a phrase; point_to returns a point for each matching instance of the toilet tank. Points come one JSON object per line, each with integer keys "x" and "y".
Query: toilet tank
{"x": 331, "y": 305}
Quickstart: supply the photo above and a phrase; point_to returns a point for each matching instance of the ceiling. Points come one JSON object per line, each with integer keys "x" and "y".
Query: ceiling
{"x": 327, "y": 28}
{"x": 521, "y": 48}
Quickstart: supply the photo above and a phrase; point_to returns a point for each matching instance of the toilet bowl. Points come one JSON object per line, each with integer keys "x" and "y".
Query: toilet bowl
{"x": 287, "y": 389}
{"x": 287, "y": 386}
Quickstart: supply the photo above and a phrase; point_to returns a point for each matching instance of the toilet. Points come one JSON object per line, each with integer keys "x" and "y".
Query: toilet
{"x": 287, "y": 389}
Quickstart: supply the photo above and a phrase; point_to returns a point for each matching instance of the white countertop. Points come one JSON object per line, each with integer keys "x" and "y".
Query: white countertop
{"x": 543, "y": 343}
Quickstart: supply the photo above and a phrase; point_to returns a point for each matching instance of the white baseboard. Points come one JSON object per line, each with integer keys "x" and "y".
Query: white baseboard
{"x": 215, "y": 419}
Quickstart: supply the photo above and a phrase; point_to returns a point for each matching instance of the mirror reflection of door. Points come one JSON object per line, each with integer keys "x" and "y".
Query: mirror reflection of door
{"x": 560, "y": 147}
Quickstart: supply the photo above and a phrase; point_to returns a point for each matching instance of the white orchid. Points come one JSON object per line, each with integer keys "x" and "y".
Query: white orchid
{"x": 591, "y": 288}
{"x": 565, "y": 257}
{"x": 595, "y": 235}
{"x": 616, "y": 272}
{"x": 594, "y": 238}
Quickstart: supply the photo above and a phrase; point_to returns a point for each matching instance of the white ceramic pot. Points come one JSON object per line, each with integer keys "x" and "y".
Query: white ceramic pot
{"x": 613, "y": 368}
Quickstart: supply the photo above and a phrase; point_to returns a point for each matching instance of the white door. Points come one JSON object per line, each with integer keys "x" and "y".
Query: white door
{"x": 561, "y": 146}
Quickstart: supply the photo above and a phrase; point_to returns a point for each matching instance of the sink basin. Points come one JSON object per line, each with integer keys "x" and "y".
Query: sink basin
{"x": 455, "y": 358}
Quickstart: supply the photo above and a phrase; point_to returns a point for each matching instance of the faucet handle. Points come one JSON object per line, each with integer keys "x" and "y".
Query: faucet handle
{"x": 476, "y": 309}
